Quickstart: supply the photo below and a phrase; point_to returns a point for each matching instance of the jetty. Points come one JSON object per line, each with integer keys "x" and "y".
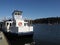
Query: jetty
{"x": 3, "y": 39}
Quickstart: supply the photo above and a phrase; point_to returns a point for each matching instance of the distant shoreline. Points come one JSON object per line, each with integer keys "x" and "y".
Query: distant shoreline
{"x": 51, "y": 20}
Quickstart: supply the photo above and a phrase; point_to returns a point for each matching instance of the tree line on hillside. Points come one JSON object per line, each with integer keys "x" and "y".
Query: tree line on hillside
{"x": 50, "y": 20}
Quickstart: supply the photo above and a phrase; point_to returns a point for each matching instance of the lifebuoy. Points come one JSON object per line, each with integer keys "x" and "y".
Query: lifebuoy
{"x": 20, "y": 23}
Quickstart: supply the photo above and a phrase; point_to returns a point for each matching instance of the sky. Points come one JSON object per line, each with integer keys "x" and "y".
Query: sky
{"x": 32, "y": 9}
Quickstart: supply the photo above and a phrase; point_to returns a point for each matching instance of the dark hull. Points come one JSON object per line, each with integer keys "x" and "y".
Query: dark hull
{"x": 18, "y": 39}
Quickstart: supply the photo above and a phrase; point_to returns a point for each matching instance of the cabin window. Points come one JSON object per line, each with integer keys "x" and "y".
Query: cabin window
{"x": 10, "y": 24}
{"x": 15, "y": 13}
{"x": 1, "y": 25}
{"x": 7, "y": 24}
{"x": 18, "y": 13}
{"x": 25, "y": 24}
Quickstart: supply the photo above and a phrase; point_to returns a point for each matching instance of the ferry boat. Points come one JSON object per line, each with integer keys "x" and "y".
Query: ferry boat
{"x": 17, "y": 24}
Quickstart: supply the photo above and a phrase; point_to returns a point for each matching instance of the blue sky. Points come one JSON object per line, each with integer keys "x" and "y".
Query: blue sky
{"x": 32, "y": 9}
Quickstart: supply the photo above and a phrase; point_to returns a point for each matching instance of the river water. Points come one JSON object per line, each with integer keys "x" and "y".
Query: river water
{"x": 44, "y": 34}
{"x": 47, "y": 34}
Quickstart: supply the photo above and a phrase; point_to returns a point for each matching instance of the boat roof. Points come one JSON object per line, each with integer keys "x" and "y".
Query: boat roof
{"x": 17, "y": 11}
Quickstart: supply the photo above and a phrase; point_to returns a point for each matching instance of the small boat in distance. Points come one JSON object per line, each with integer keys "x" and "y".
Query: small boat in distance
{"x": 17, "y": 24}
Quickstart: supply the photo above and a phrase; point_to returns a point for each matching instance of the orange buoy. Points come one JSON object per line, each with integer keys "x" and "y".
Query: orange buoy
{"x": 20, "y": 23}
